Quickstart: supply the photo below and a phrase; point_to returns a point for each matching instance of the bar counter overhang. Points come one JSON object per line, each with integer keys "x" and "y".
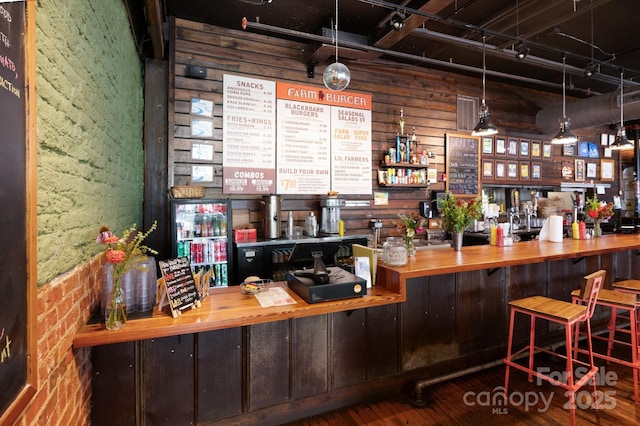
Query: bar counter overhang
{"x": 444, "y": 312}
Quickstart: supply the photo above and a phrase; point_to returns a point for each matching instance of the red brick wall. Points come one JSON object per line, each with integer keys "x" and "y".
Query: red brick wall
{"x": 64, "y": 304}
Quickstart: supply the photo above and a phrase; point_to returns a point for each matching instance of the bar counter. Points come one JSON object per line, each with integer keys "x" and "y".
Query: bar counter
{"x": 445, "y": 261}
{"x": 228, "y": 307}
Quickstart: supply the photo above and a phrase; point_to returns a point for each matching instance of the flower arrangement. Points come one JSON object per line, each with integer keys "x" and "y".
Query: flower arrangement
{"x": 458, "y": 213}
{"x": 410, "y": 225}
{"x": 598, "y": 210}
{"x": 123, "y": 252}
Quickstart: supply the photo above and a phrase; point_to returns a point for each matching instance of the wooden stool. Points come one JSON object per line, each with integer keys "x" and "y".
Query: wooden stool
{"x": 561, "y": 312}
{"x": 616, "y": 300}
{"x": 628, "y": 286}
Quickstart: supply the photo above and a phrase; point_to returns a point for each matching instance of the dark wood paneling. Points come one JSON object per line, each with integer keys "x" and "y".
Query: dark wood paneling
{"x": 219, "y": 374}
{"x": 382, "y": 341}
{"x": 309, "y": 356}
{"x": 114, "y": 399}
{"x": 480, "y": 313}
{"x": 349, "y": 348}
{"x": 526, "y": 281}
{"x": 168, "y": 380}
{"x": 268, "y": 364}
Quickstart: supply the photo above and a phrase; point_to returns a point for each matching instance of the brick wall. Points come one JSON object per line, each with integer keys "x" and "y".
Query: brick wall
{"x": 63, "y": 395}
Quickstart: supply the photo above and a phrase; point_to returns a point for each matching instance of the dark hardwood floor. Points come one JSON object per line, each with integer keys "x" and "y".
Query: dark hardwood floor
{"x": 475, "y": 399}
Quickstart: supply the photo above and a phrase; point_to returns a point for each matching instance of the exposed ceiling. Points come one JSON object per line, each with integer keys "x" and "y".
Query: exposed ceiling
{"x": 444, "y": 34}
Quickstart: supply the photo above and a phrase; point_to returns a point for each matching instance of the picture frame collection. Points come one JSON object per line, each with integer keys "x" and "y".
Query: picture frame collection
{"x": 522, "y": 159}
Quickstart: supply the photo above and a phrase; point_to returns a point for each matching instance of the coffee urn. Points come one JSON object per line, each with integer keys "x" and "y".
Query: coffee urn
{"x": 271, "y": 216}
{"x": 331, "y": 214}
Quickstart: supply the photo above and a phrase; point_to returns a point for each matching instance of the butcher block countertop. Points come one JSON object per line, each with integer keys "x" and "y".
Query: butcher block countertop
{"x": 228, "y": 307}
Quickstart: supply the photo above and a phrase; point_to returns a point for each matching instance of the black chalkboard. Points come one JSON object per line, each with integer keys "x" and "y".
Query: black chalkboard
{"x": 463, "y": 165}
{"x": 17, "y": 217}
{"x": 179, "y": 285}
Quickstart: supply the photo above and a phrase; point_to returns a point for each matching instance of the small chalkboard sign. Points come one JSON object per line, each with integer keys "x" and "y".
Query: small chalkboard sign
{"x": 463, "y": 165}
{"x": 179, "y": 288}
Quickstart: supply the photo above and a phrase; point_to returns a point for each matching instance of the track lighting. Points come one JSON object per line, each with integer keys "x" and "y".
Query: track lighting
{"x": 522, "y": 50}
{"x": 591, "y": 69}
{"x": 397, "y": 20}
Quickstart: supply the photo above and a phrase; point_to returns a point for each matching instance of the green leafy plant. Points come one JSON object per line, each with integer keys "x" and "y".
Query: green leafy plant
{"x": 459, "y": 213}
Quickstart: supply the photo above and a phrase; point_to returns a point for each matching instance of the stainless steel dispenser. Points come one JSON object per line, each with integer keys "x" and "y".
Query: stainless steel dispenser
{"x": 331, "y": 214}
{"x": 271, "y": 216}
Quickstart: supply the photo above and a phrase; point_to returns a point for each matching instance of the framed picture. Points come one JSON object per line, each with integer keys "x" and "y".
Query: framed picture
{"x": 583, "y": 149}
{"x": 536, "y": 170}
{"x": 593, "y": 150}
{"x": 546, "y": 150}
{"x": 567, "y": 170}
{"x": 579, "y": 170}
{"x": 606, "y": 170}
{"x": 512, "y": 170}
{"x": 500, "y": 169}
{"x": 524, "y": 170}
{"x": 569, "y": 149}
{"x": 487, "y": 168}
{"x": 501, "y": 145}
{"x": 524, "y": 148}
{"x": 592, "y": 170}
{"x": 487, "y": 145}
{"x": 536, "y": 149}
{"x": 512, "y": 148}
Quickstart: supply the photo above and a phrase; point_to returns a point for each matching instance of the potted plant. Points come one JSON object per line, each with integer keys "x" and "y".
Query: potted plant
{"x": 410, "y": 226}
{"x": 458, "y": 215}
{"x": 598, "y": 210}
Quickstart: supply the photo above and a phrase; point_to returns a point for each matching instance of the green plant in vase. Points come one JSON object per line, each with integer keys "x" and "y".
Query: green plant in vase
{"x": 458, "y": 214}
{"x": 410, "y": 226}
{"x": 598, "y": 211}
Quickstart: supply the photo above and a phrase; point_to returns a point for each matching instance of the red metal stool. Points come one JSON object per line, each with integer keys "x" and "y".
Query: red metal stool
{"x": 569, "y": 315}
{"x": 616, "y": 300}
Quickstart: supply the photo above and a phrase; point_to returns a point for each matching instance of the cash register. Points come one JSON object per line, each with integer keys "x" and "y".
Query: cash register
{"x": 314, "y": 281}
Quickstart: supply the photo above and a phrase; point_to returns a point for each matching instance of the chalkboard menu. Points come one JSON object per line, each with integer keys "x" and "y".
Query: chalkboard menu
{"x": 17, "y": 213}
{"x": 463, "y": 165}
{"x": 179, "y": 285}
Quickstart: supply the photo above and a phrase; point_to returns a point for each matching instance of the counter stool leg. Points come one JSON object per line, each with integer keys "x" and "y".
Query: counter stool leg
{"x": 612, "y": 331}
{"x": 569, "y": 373}
{"x": 509, "y": 344}
{"x": 633, "y": 319}
{"x": 532, "y": 338}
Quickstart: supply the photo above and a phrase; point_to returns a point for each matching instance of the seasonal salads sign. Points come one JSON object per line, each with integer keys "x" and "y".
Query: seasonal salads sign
{"x": 314, "y": 141}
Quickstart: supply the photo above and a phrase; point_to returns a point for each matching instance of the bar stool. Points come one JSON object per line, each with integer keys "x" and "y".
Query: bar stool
{"x": 561, "y": 312}
{"x": 616, "y": 300}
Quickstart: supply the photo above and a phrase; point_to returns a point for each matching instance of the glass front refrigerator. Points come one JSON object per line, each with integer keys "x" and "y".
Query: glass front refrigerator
{"x": 202, "y": 232}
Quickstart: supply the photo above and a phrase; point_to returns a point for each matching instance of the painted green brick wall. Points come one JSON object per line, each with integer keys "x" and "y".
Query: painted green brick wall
{"x": 89, "y": 124}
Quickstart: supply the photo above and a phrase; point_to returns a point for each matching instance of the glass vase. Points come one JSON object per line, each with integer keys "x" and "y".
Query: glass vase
{"x": 115, "y": 313}
{"x": 409, "y": 244}
{"x": 597, "y": 230}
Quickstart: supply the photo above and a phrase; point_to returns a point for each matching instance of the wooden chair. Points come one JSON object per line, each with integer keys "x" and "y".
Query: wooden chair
{"x": 616, "y": 300}
{"x": 567, "y": 314}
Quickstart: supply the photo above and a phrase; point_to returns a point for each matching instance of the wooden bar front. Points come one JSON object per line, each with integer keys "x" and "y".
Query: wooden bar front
{"x": 443, "y": 313}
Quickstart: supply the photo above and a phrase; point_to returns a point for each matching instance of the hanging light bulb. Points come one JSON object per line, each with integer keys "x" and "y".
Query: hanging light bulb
{"x": 336, "y": 76}
{"x": 484, "y": 126}
{"x": 564, "y": 136}
{"x": 621, "y": 141}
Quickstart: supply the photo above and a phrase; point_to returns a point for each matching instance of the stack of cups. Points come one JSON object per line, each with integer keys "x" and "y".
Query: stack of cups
{"x": 138, "y": 286}
{"x": 146, "y": 284}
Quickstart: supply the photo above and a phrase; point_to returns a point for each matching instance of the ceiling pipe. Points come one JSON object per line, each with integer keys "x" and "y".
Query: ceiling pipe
{"x": 595, "y": 111}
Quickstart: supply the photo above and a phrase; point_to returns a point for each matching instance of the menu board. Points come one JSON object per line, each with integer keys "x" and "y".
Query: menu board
{"x": 323, "y": 141}
{"x": 249, "y": 136}
{"x": 17, "y": 210}
{"x": 179, "y": 285}
{"x": 463, "y": 164}
{"x": 300, "y": 140}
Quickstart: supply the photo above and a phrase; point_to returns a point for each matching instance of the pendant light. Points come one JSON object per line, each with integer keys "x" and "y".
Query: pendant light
{"x": 564, "y": 136}
{"x": 336, "y": 76}
{"x": 484, "y": 127}
{"x": 621, "y": 141}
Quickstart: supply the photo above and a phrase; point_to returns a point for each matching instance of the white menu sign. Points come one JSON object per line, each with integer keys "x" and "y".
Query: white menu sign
{"x": 323, "y": 141}
{"x": 249, "y": 136}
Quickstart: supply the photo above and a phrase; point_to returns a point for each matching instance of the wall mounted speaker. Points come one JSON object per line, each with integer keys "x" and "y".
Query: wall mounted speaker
{"x": 196, "y": 71}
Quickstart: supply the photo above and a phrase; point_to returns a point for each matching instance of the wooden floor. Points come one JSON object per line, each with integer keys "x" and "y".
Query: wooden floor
{"x": 475, "y": 399}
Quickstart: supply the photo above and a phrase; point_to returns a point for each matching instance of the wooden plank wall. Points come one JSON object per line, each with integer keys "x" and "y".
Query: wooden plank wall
{"x": 428, "y": 98}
